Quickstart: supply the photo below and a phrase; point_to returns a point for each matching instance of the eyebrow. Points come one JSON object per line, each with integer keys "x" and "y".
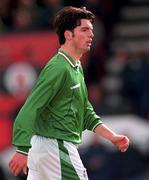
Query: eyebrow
{"x": 85, "y": 27}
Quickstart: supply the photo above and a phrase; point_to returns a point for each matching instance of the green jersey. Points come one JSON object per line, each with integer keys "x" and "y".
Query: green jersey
{"x": 57, "y": 107}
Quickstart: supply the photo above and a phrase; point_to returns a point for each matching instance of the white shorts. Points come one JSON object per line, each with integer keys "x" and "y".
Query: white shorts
{"x": 52, "y": 159}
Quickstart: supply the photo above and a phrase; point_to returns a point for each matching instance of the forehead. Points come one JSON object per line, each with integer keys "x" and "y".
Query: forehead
{"x": 86, "y": 23}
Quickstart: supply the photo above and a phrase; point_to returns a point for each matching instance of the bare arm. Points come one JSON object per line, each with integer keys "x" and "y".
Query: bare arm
{"x": 121, "y": 141}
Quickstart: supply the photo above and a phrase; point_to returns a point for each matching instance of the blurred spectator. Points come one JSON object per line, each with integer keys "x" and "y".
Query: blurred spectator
{"x": 95, "y": 96}
{"x": 95, "y": 69}
{"x": 128, "y": 166}
{"x": 135, "y": 83}
{"x": 22, "y": 21}
{"x": 106, "y": 163}
{"x": 94, "y": 73}
{"x": 112, "y": 84}
{"x": 46, "y": 12}
{"x": 95, "y": 159}
{"x": 25, "y": 15}
{"x": 117, "y": 61}
{"x": 25, "y": 4}
{"x": 2, "y": 26}
{"x": 94, "y": 6}
{"x": 5, "y": 14}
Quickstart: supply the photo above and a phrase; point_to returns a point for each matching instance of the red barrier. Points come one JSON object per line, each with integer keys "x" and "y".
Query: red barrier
{"x": 37, "y": 47}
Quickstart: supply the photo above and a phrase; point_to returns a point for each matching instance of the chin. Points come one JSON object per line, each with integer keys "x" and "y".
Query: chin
{"x": 84, "y": 50}
{"x": 88, "y": 48}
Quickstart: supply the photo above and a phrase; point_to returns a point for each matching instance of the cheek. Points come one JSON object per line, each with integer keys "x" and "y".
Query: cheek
{"x": 81, "y": 44}
{"x": 81, "y": 40}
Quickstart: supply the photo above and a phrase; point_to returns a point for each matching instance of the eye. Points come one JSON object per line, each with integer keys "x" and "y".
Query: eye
{"x": 84, "y": 30}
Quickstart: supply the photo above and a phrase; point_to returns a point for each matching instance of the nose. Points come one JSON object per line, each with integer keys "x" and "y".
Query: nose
{"x": 91, "y": 34}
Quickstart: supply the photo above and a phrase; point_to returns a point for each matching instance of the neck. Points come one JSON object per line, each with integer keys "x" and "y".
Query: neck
{"x": 72, "y": 52}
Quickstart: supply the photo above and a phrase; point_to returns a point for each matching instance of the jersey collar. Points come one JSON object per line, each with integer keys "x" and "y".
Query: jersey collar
{"x": 71, "y": 61}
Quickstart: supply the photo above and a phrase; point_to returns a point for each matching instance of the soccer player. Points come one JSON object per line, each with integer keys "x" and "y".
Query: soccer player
{"x": 49, "y": 126}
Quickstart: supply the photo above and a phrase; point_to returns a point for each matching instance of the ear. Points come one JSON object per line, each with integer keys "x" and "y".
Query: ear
{"x": 68, "y": 35}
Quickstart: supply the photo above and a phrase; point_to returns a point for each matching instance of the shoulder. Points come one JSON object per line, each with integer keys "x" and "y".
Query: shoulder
{"x": 58, "y": 63}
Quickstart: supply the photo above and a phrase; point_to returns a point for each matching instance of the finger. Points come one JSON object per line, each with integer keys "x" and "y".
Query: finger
{"x": 123, "y": 148}
{"x": 123, "y": 143}
{"x": 12, "y": 166}
{"x": 17, "y": 171}
{"x": 25, "y": 170}
{"x": 15, "y": 168}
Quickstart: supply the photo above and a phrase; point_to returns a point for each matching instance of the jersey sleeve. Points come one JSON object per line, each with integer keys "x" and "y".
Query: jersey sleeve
{"x": 49, "y": 83}
{"x": 91, "y": 119}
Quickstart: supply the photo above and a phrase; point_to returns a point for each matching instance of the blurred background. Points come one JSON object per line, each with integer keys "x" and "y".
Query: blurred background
{"x": 116, "y": 71}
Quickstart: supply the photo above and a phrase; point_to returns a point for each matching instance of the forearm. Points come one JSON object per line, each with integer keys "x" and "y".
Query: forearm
{"x": 105, "y": 132}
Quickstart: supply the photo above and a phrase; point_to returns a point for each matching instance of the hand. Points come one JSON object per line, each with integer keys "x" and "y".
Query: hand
{"x": 121, "y": 141}
{"x": 18, "y": 163}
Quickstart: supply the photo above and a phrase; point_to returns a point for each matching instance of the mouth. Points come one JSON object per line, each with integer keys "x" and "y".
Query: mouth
{"x": 89, "y": 43}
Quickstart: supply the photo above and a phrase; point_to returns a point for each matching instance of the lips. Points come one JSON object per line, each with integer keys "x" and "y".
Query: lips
{"x": 89, "y": 43}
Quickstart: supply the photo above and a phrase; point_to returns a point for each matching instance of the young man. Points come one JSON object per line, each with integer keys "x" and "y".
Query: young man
{"x": 51, "y": 122}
